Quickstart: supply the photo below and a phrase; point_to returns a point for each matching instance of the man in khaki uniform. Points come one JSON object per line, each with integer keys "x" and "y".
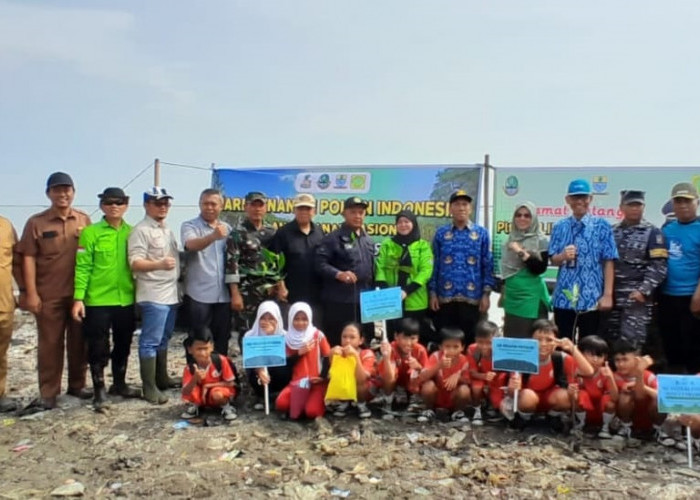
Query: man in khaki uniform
{"x": 49, "y": 244}
{"x": 10, "y": 265}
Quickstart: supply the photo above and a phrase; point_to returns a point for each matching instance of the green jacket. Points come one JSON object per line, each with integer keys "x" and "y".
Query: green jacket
{"x": 387, "y": 270}
{"x": 102, "y": 273}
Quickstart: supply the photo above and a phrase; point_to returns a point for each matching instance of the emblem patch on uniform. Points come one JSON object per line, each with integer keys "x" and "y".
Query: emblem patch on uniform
{"x": 449, "y": 235}
{"x": 471, "y": 260}
{"x": 471, "y": 287}
{"x": 448, "y": 285}
{"x": 448, "y": 259}
{"x": 474, "y": 235}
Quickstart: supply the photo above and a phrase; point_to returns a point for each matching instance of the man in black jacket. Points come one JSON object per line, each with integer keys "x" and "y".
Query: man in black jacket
{"x": 345, "y": 263}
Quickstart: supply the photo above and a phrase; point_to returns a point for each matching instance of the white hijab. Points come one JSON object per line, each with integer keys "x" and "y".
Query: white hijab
{"x": 266, "y": 307}
{"x": 297, "y": 339}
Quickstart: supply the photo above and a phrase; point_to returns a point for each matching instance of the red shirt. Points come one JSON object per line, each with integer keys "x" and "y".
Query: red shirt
{"x": 544, "y": 380}
{"x": 597, "y": 385}
{"x": 484, "y": 365}
{"x": 400, "y": 360}
{"x": 309, "y": 365}
{"x": 461, "y": 364}
{"x": 649, "y": 380}
{"x": 213, "y": 375}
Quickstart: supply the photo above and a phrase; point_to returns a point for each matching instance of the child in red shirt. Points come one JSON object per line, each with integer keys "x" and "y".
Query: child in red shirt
{"x": 208, "y": 382}
{"x": 637, "y": 386}
{"x": 401, "y": 363}
{"x": 597, "y": 393}
{"x": 445, "y": 378}
{"x": 484, "y": 381}
{"x": 547, "y": 391}
{"x": 309, "y": 350}
{"x": 351, "y": 342}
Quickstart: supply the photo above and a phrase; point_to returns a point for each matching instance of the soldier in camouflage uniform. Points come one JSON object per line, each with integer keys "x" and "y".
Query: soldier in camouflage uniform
{"x": 252, "y": 271}
{"x": 638, "y": 272}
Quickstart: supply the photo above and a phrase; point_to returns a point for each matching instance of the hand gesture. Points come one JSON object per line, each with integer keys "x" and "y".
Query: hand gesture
{"x": 413, "y": 363}
{"x": 310, "y": 345}
{"x": 605, "y": 370}
{"x": 566, "y": 345}
{"x": 385, "y": 349}
{"x": 515, "y": 246}
{"x": 220, "y": 231}
{"x": 200, "y": 374}
{"x": 451, "y": 382}
{"x": 167, "y": 263}
{"x": 643, "y": 363}
{"x": 445, "y": 362}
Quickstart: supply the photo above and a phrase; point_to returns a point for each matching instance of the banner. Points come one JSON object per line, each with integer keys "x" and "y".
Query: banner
{"x": 546, "y": 188}
{"x": 423, "y": 189}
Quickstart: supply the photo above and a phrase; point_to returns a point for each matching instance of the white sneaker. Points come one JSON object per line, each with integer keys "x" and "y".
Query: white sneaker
{"x": 426, "y": 416}
{"x": 341, "y": 409}
{"x": 363, "y": 411}
{"x": 605, "y": 433}
{"x": 477, "y": 419}
{"x": 401, "y": 396}
{"x": 415, "y": 403}
{"x": 229, "y": 412}
{"x": 191, "y": 411}
{"x": 459, "y": 416}
{"x": 664, "y": 439}
{"x": 623, "y": 433}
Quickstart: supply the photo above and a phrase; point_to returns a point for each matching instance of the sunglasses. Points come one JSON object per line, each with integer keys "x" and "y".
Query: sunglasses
{"x": 114, "y": 202}
{"x": 160, "y": 203}
{"x": 521, "y": 215}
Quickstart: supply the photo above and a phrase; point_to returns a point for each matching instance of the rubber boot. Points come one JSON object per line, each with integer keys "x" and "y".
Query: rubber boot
{"x": 99, "y": 399}
{"x": 148, "y": 378}
{"x": 163, "y": 380}
{"x": 119, "y": 386}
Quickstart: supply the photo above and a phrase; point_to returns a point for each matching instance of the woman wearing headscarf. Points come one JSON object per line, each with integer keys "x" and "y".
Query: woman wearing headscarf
{"x": 524, "y": 259}
{"x": 268, "y": 321}
{"x": 406, "y": 260}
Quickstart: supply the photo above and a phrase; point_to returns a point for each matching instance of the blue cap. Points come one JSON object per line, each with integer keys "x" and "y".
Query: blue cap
{"x": 579, "y": 186}
{"x": 156, "y": 193}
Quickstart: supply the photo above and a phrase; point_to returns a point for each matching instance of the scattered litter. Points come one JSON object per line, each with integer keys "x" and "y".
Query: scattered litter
{"x": 71, "y": 488}
{"x": 182, "y": 424}
{"x": 337, "y": 492}
{"x": 229, "y": 455}
{"x": 6, "y": 422}
{"x": 421, "y": 491}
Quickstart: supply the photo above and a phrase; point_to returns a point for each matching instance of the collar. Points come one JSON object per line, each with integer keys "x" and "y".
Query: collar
{"x": 345, "y": 230}
{"x": 154, "y": 223}
{"x": 298, "y": 228}
{"x": 585, "y": 220}
{"x": 250, "y": 227}
{"x": 103, "y": 223}
{"x": 203, "y": 222}
{"x": 469, "y": 226}
{"x": 53, "y": 214}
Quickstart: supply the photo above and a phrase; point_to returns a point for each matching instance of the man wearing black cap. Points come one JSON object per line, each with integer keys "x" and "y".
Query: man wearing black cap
{"x": 155, "y": 261}
{"x": 49, "y": 244}
{"x": 104, "y": 295}
{"x": 345, "y": 262}
{"x": 679, "y": 301}
{"x": 252, "y": 272}
{"x": 462, "y": 279}
{"x": 639, "y": 270}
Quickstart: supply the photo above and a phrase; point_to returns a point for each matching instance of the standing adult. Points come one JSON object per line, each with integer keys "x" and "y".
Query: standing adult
{"x": 104, "y": 295}
{"x": 154, "y": 260}
{"x": 406, "y": 260}
{"x": 462, "y": 280}
{"x": 207, "y": 296}
{"x": 252, "y": 271}
{"x": 10, "y": 265}
{"x": 296, "y": 243}
{"x": 640, "y": 269}
{"x": 679, "y": 302}
{"x": 345, "y": 262}
{"x": 524, "y": 259}
{"x": 49, "y": 244}
{"x": 583, "y": 248}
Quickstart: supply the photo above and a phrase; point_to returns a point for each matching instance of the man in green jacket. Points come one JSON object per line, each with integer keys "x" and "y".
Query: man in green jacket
{"x": 104, "y": 295}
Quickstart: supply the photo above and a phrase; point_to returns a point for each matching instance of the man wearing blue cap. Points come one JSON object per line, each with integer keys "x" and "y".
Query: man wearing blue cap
{"x": 639, "y": 271}
{"x": 583, "y": 248}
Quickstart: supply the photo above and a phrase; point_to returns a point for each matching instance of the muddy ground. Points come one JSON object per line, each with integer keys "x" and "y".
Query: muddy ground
{"x": 140, "y": 450}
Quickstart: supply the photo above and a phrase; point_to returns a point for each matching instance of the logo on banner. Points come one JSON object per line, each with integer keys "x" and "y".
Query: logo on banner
{"x": 511, "y": 185}
{"x": 324, "y": 181}
{"x": 341, "y": 181}
{"x": 358, "y": 182}
{"x": 600, "y": 184}
{"x": 306, "y": 182}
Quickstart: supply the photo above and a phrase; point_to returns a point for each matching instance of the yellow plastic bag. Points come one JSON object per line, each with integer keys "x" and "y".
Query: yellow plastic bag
{"x": 342, "y": 385}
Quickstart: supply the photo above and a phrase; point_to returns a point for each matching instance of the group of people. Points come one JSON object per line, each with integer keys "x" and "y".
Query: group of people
{"x": 82, "y": 281}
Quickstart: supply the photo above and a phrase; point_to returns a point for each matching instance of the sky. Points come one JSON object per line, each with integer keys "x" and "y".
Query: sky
{"x": 99, "y": 89}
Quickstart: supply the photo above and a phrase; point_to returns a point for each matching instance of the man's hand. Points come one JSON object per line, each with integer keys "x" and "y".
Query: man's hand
{"x": 78, "y": 310}
{"x": 282, "y": 292}
{"x": 695, "y": 304}
{"x": 220, "y": 231}
{"x": 484, "y": 303}
{"x": 237, "y": 301}
{"x": 346, "y": 277}
{"x": 637, "y": 296}
{"x": 569, "y": 252}
{"x": 434, "y": 304}
{"x": 167, "y": 263}
{"x": 33, "y": 303}
{"x": 605, "y": 303}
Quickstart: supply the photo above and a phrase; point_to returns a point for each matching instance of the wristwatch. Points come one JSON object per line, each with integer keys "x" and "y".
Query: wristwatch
{"x": 521, "y": 253}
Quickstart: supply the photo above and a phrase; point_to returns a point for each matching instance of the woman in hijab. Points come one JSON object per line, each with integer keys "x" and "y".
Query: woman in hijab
{"x": 268, "y": 321}
{"x": 406, "y": 260}
{"x": 523, "y": 261}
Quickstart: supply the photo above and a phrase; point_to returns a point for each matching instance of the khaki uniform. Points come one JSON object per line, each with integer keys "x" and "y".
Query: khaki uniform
{"x": 9, "y": 262}
{"x": 53, "y": 241}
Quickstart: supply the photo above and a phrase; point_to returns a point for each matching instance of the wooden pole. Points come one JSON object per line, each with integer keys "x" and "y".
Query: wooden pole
{"x": 156, "y": 172}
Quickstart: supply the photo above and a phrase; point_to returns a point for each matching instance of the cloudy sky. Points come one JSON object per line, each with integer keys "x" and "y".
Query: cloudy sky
{"x": 99, "y": 89}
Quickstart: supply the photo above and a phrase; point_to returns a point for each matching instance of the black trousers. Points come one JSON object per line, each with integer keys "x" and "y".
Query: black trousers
{"x": 588, "y": 323}
{"x": 338, "y": 314}
{"x": 99, "y": 320}
{"x": 459, "y": 315}
{"x": 216, "y": 316}
{"x": 680, "y": 332}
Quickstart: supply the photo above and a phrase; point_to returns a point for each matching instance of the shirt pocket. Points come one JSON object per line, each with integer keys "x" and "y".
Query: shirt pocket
{"x": 50, "y": 244}
{"x": 105, "y": 252}
{"x": 157, "y": 247}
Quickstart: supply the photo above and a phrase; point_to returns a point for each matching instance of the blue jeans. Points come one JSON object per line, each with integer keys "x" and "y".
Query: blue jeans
{"x": 157, "y": 324}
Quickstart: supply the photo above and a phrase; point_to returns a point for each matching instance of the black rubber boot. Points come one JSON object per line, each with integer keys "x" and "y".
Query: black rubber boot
{"x": 99, "y": 399}
{"x": 148, "y": 378}
{"x": 163, "y": 380}
{"x": 119, "y": 386}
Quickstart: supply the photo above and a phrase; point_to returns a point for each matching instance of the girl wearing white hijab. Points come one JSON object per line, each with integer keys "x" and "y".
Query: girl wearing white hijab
{"x": 308, "y": 350}
{"x": 268, "y": 321}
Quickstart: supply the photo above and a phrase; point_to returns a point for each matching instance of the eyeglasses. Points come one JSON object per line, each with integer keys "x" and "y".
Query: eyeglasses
{"x": 523, "y": 215}
{"x": 114, "y": 202}
{"x": 160, "y": 203}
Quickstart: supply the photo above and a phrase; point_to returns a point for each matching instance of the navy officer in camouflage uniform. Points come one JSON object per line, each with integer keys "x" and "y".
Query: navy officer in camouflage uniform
{"x": 638, "y": 272}
{"x": 252, "y": 271}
